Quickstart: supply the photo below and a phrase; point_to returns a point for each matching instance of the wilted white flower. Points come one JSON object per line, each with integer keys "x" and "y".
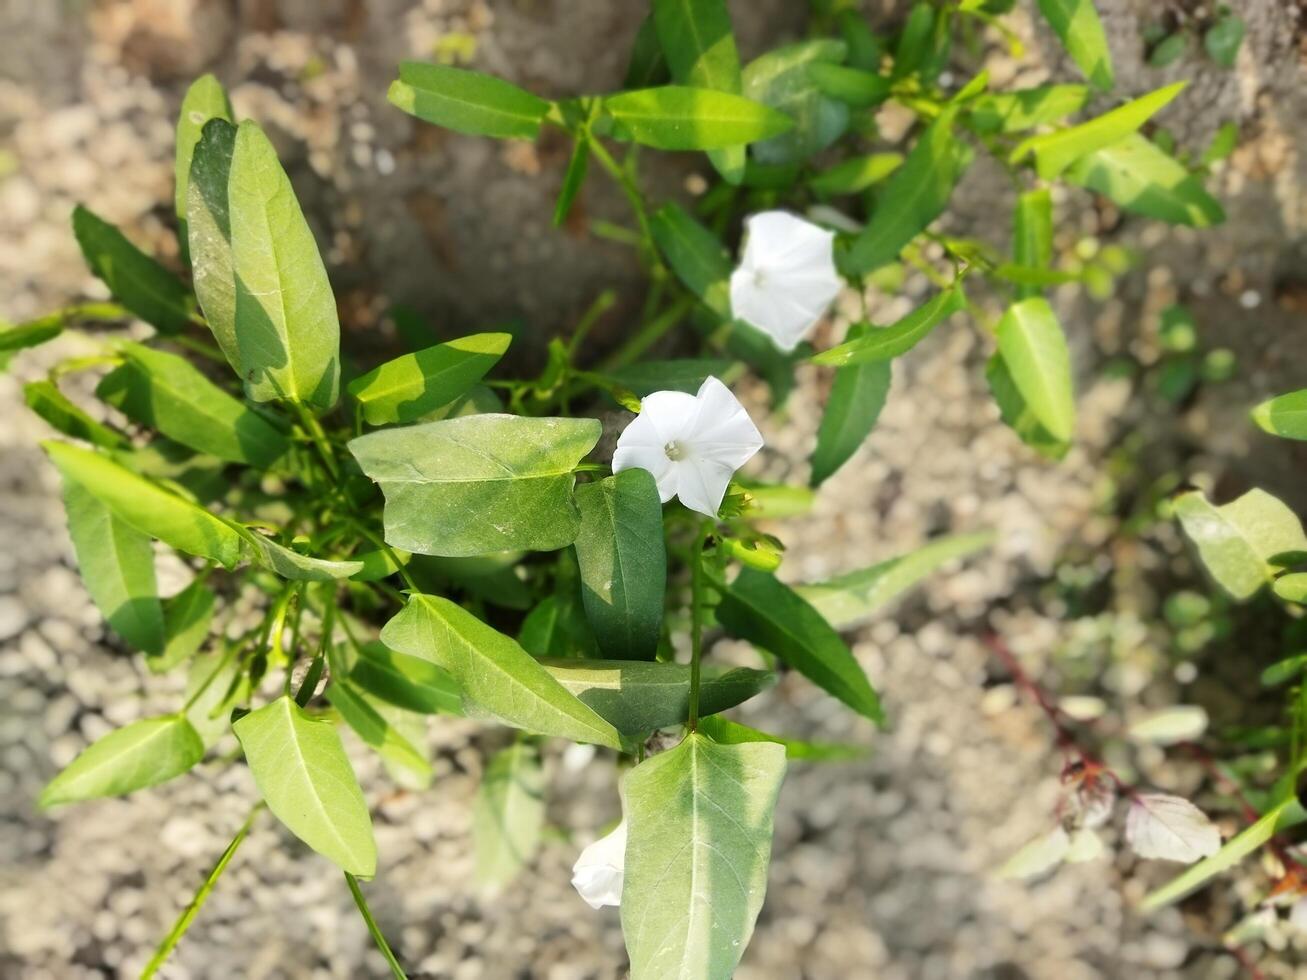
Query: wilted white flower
{"x": 597, "y": 874}
{"x": 786, "y": 277}
{"x": 692, "y": 444}
{"x": 1171, "y": 828}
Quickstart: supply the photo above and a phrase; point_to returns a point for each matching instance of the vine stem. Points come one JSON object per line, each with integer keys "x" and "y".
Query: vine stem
{"x": 319, "y": 437}
{"x": 165, "y": 948}
{"x": 396, "y": 970}
{"x": 633, "y": 195}
{"x": 696, "y": 620}
{"x": 650, "y": 333}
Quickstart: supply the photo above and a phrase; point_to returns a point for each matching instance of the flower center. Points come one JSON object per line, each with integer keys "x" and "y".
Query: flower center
{"x": 674, "y": 450}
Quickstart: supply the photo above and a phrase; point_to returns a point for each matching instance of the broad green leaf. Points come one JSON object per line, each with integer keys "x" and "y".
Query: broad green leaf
{"x": 577, "y": 165}
{"x": 493, "y": 672}
{"x": 638, "y": 697}
{"x": 852, "y": 86}
{"x": 303, "y": 775}
{"x": 32, "y": 334}
{"x": 781, "y": 79}
{"x": 699, "y": 830}
{"x": 1284, "y": 415}
{"x": 116, "y": 563}
{"x": 410, "y": 386}
{"x": 1033, "y": 348}
{"x": 1016, "y": 413}
{"x": 915, "y": 195}
{"x": 683, "y": 374}
{"x": 186, "y": 620}
{"x": 1139, "y": 176}
{"x": 137, "y": 281}
{"x": 1054, "y": 152}
{"x": 695, "y": 38}
{"x": 855, "y": 401}
{"x": 373, "y": 728}
{"x": 407, "y": 682}
{"x": 467, "y": 101}
{"x": 623, "y": 562}
{"x": 208, "y": 232}
{"x": 477, "y": 484}
{"x": 144, "y": 753}
{"x": 696, "y": 255}
{"x": 214, "y": 685}
{"x": 295, "y": 566}
{"x": 167, "y": 393}
{"x": 648, "y": 65}
{"x": 1242, "y": 544}
{"x": 757, "y": 607}
{"x": 727, "y": 732}
{"x": 286, "y": 325}
{"x": 204, "y": 100}
{"x": 677, "y": 117}
{"x": 46, "y": 400}
{"x": 849, "y": 599}
{"x": 1223, "y": 38}
{"x": 856, "y": 175}
{"x": 882, "y": 344}
{"x": 508, "y": 818}
{"x": 1032, "y": 235}
{"x": 1076, "y": 23}
{"x": 148, "y": 507}
{"x": 1023, "y": 109}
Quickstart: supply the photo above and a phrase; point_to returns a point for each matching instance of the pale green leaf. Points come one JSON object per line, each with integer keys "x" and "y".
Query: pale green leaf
{"x": 186, "y": 620}
{"x": 204, "y": 100}
{"x": 1023, "y": 109}
{"x": 144, "y": 753}
{"x": 1033, "y": 348}
{"x": 46, "y": 400}
{"x": 677, "y": 117}
{"x": 1017, "y": 415}
{"x": 727, "y": 732}
{"x": 467, "y": 101}
{"x": 1284, "y": 415}
{"x": 208, "y": 232}
{"x": 508, "y": 817}
{"x": 1292, "y": 587}
{"x": 137, "y": 281}
{"x": 696, "y": 255}
{"x": 1242, "y": 544}
{"x": 1138, "y": 176}
{"x": 412, "y": 683}
{"x": 295, "y": 566}
{"x": 881, "y": 344}
{"x": 1032, "y": 235}
{"x": 856, "y": 175}
{"x": 376, "y": 731}
{"x": 214, "y": 685}
{"x": 408, "y": 387}
{"x": 1076, "y": 23}
{"x": 781, "y": 79}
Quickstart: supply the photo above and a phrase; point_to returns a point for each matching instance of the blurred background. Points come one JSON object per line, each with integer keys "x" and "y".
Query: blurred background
{"x": 882, "y": 867}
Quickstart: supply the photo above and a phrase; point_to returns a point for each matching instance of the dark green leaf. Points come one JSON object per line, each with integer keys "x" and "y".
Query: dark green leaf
{"x": 922, "y": 44}
{"x": 32, "y": 334}
{"x": 144, "y": 753}
{"x": 1138, "y": 176}
{"x": 881, "y": 344}
{"x": 677, "y": 117}
{"x": 855, "y": 401}
{"x": 855, "y": 175}
{"x": 781, "y": 79}
{"x": 685, "y": 374}
{"x": 467, "y": 101}
{"x": 47, "y": 401}
{"x": 572, "y": 180}
{"x": 408, "y": 682}
{"x": 508, "y": 817}
{"x": 1076, "y": 23}
{"x": 696, "y": 255}
{"x": 1023, "y": 109}
{"x": 1168, "y": 50}
{"x": 1223, "y": 38}
{"x": 137, "y": 281}
{"x": 852, "y": 86}
{"x": 295, "y": 566}
{"x": 204, "y": 100}
{"x": 865, "y": 49}
{"x": 408, "y": 387}
{"x": 208, "y": 231}
{"x": 648, "y": 66}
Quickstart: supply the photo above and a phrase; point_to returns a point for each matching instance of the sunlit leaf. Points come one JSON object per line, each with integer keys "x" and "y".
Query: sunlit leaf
{"x": 727, "y": 732}
{"x": 1242, "y": 544}
{"x": 881, "y": 344}
{"x": 1137, "y": 175}
{"x": 1171, "y": 828}
{"x": 410, "y": 386}
{"x": 204, "y": 100}
{"x": 1076, "y": 23}
{"x": 677, "y": 117}
{"x": 1034, "y": 351}
{"x": 467, "y": 101}
{"x": 781, "y": 79}
{"x": 144, "y": 753}
{"x": 1024, "y": 109}
{"x": 134, "y": 279}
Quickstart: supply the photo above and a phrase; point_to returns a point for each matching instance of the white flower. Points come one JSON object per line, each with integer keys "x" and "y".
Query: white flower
{"x": 597, "y": 874}
{"x": 1171, "y": 828}
{"x": 692, "y": 444}
{"x": 786, "y": 277}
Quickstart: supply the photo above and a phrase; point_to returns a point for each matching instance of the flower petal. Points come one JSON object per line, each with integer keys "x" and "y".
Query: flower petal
{"x": 702, "y": 485}
{"x": 598, "y": 872}
{"x": 1170, "y": 828}
{"x": 723, "y": 431}
{"x": 646, "y": 456}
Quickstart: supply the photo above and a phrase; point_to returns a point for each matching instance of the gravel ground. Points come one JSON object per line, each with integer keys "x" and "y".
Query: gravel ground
{"x": 881, "y": 867}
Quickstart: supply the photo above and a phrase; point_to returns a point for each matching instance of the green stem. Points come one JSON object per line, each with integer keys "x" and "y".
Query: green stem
{"x": 199, "y": 347}
{"x": 650, "y": 333}
{"x": 389, "y": 553}
{"x": 314, "y": 431}
{"x": 165, "y": 948}
{"x": 633, "y": 195}
{"x": 602, "y": 304}
{"x": 396, "y": 970}
{"x": 696, "y": 620}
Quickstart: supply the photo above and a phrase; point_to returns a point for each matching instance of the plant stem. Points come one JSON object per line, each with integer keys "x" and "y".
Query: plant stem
{"x": 696, "y": 620}
{"x": 396, "y": 970}
{"x": 314, "y": 431}
{"x": 649, "y": 334}
{"x": 199, "y": 347}
{"x": 165, "y": 948}
{"x": 633, "y": 195}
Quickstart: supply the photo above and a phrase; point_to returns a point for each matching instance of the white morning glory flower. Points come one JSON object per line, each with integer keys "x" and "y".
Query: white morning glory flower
{"x": 786, "y": 277}
{"x": 597, "y": 874}
{"x": 692, "y": 444}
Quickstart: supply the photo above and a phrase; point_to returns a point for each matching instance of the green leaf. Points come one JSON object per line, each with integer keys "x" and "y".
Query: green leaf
{"x": 1032, "y": 235}
{"x": 410, "y": 386}
{"x": 303, "y": 775}
{"x": 116, "y": 563}
{"x": 1054, "y": 152}
{"x": 865, "y": 49}
{"x": 144, "y": 753}
{"x": 695, "y": 37}
{"x": 137, "y": 281}
{"x": 214, "y": 685}
{"x": 677, "y": 117}
{"x": 577, "y": 165}
{"x": 923, "y": 43}
{"x": 1034, "y": 350}
{"x": 186, "y": 620}
{"x": 32, "y": 334}
{"x": 648, "y": 66}
{"x": 699, "y": 831}
{"x": 477, "y": 484}
{"x": 852, "y": 86}
{"x": 204, "y": 100}
{"x": 286, "y": 326}
{"x": 856, "y": 175}
{"x": 683, "y": 374}
{"x": 638, "y": 697}
{"x": 148, "y": 507}
{"x": 696, "y": 255}
{"x": 1023, "y": 109}
{"x": 46, "y": 400}
{"x": 407, "y": 682}
{"x": 1168, "y": 50}
{"x": 557, "y": 627}
{"x": 1016, "y": 413}
{"x": 850, "y": 599}
{"x": 1244, "y": 543}
{"x": 373, "y": 728}
{"x": 1284, "y": 670}
{"x": 915, "y": 195}
{"x": 727, "y": 732}
{"x": 508, "y": 818}
{"x": 882, "y": 344}
{"x": 1223, "y": 143}
{"x": 781, "y": 79}
{"x": 1284, "y": 415}
{"x": 623, "y": 562}
{"x": 856, "y": 399}
{"x": 467, "y": 101}
{"x": 493, "y": 672}
{"x": 208, "y": 232}
{"x": 1138, "y": 176}
{"x": 167, "y": 393}
{"x": 757, "y": 607}
{"x": 295, "y": 566}
{"x": 490, "y": 578}
{"x": 1223, "y": 38}
{"x": 1076, "y": 23}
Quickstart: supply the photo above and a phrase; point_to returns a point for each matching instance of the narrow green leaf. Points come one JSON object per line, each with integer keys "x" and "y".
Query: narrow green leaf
{"x": 1223, "y": 143}
{"x": 137, "y": 281}
{"x": 295, "y": 566}
{"x": 855, "y": 402}
{"x": 639, "y": 697}
{"x": 850, "y": 599}
{"x": 204, "y": 100}
{"x": 477, "y": 484}
{"x": 677, "y": 117}
{"x": 467, "y": 101}
{"x": 508, "y": 818}
{"x": 167, "y": 393}
{"x": 286, "y": 325}
{"x": 1223, "y": 38}
{"x": 407, "y": 682}
{"x": 852, "y": 86}
{"x": 1076, "y": 23}
{"x": 882, "y": 344}
{"x": 186, "y": 620}
{"x": 1140, "y": 177}
{"x": 856, "y": 175}
{"x": 1054, "y": 152}
{"x": 696, "y": 255}
{"x": 683, "y": 374}
{"x": 1168, "y": 50}
{"x": 558, "y": 627}
{"x": 1283, "y": 671}
{"x": 493, "y": 672}
{"x": 1244, "y": 543}
{"x": 305, "y": 778}
{"x": 147, "y": 507}
{"x": 144, "y": 753}
{"x": 46, "y": 400}
{"x": 1032, "y": 235}
{"x": 781, "y": 79}
{"x": 727, "y": 732}
{"x": 757, "y": 607}
{"x": 647, "y": 66}
{"x": 1016, "y": 413}
{"x": 208, "y": 232}
{"x": 866, "y": 50}
{"x": 408, "y": 387}
{"x": 373, "y": 728}
{"x": 623, "y": 562}
{"x": 32, "y": 334}
{"x": 1033, "y": 348}
{"x": 577, "y": 165}
{"x": 699, "y": 831}
{"x": 1284, "y": 415}
{"x": 920, "y": 46}
{"x": 1023, "y": 109}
